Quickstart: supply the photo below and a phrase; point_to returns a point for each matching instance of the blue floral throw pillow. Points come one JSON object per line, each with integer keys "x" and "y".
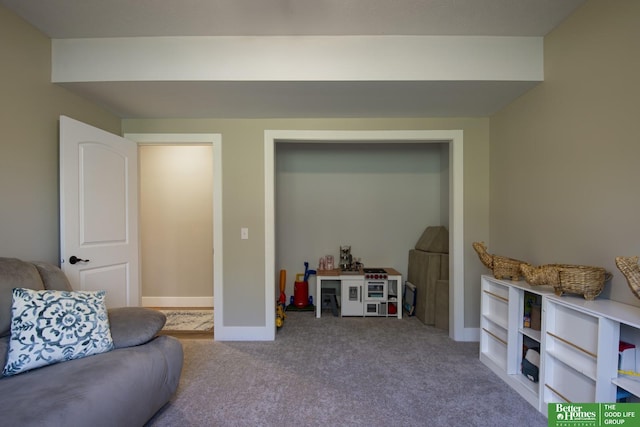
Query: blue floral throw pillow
{"x": 54, "y": 326}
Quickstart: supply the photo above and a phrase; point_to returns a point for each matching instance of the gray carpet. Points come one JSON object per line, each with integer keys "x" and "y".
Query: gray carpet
{"x": 343, "y": 372}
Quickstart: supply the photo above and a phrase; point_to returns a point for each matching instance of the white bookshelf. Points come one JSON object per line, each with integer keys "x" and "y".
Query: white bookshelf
{"x": 578, "y": 343}
{"x": 503, "y": 334}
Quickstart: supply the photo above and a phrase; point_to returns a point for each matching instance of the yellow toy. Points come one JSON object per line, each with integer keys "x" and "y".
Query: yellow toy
{"x": 282, "y": 300}
{"x": 280, "y": 316}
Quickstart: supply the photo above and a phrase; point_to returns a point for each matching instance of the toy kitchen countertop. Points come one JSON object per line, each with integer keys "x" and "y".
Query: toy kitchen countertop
{"x": 361, "y": 272}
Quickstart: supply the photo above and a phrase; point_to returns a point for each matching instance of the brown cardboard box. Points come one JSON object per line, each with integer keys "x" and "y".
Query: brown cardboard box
{"x": 535, "y": 316}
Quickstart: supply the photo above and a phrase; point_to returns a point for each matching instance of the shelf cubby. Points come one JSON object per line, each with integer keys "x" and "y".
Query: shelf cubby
{"x": 572, "y": 355}
{"x": 567, "y": 383}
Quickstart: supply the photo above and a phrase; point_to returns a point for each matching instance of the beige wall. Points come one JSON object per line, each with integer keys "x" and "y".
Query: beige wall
{"x": 176, "y": 223}
{"x": 29, "y": 110}
{"x": 377, "y": 198}
{"x": 564, "y": 157}
{"x": 243, "y": 196}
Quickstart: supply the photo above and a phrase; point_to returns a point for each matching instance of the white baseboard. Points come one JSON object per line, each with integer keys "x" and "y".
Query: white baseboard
{"x": 177, "y": 301}
{"x": 243, "y": 333}
{"x": 471, "y": 334}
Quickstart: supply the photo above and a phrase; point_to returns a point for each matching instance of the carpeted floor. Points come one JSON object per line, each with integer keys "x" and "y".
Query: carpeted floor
{"x": 343, "y": 372}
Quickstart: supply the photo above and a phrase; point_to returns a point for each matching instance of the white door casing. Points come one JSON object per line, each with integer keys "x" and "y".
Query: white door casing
{"x": 99, "y": 211}
{"x": 454, "y": 138}
{"x": 220, "y": 332}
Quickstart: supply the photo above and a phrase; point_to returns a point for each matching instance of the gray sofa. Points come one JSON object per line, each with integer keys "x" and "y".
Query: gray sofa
{"x": 125, "y": 386}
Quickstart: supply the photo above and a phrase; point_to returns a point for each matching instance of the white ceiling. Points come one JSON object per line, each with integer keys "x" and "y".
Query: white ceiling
{"x": 132, "y": 18}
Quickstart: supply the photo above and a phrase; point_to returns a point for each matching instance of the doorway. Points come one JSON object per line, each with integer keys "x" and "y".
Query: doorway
{"x": 176, "y": 227}
{"x": 454, "y": 139}
{"x": 211, "y": 145}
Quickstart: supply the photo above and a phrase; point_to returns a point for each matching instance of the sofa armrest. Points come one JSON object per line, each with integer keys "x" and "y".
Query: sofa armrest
{"x": 131, "y": 326}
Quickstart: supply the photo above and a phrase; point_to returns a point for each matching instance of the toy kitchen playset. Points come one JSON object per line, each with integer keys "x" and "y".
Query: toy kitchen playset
{"x": 355, "y": 290}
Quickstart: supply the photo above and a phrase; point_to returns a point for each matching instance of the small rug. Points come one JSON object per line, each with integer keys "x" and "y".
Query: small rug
{"x": 199, "y": 320}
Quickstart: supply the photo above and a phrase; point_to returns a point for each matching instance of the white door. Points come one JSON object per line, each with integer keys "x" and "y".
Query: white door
{"x": 99, "y": 212}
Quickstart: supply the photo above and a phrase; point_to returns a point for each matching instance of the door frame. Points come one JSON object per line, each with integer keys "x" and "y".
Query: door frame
{"x": 215, "y": 139}
{"x": 454, "y": 139}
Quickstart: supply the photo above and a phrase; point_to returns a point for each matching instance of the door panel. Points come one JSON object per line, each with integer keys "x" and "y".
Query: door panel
{"x": 103, "y": 202}
{"x": 116, "y": 275}
{"x": 99, "y": 211}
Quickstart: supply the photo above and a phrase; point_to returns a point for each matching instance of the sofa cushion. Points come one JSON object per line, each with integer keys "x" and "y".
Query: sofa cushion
{"x": 52, "y": 277}
{"x": 434, "y": 239}
{"x": 132, "y": 326}
{"x": 14, "y": 273}
{"x": 54, "y": 326}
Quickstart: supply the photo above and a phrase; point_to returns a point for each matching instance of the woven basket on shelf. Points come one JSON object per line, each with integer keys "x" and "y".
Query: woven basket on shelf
{"x": 567, "y": 278}
{"x": 502, "y": 267}
{"x": 539, "y": 276}
{"x": 631, "y": 270}
{"x": 485, "y": 257}
{"x": 507, "y": 268}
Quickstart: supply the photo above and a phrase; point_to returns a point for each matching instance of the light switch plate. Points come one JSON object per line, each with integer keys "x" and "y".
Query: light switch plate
{"x": 244, "y": 233}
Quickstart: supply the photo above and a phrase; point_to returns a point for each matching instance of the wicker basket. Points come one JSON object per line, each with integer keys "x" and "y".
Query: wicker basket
{"x": 485, "y": 257}
{"x": 566, "y": 278}
{"x": 502, "y": 267}
{"x": 507, "y": 268}
{"x": 539, "y": 276}
{"x": 631, "y": 270}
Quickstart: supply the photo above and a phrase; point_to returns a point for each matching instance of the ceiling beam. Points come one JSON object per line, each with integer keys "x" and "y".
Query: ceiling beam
{"x": 310, "y": 58}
